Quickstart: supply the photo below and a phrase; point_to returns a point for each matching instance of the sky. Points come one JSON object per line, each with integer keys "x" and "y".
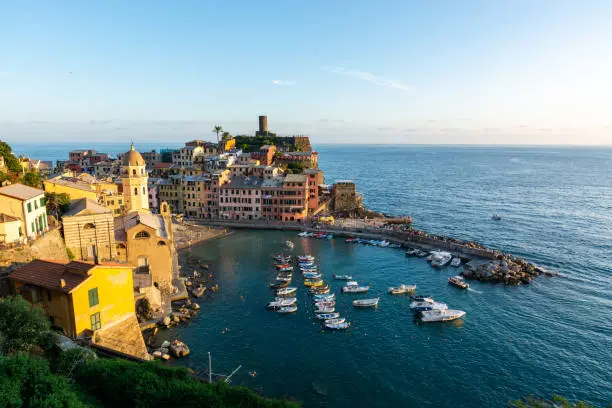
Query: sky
{"x": 424, "y": 72}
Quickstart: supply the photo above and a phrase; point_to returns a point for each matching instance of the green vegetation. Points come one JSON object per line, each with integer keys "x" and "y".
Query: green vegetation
{"x": 253, "y": 143}
{"x": 32, "y": 180}
{"x": 11, "y": 162}
{"x": 76, "y": 378}
{"x": 21, "y": 326}
{"x": 69, "y": 254}
{"x": 57, "y": 204}
{"x": 557, "y": 401}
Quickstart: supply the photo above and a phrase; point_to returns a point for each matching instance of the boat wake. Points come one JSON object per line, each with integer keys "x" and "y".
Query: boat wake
{"x": 474, "y": 290}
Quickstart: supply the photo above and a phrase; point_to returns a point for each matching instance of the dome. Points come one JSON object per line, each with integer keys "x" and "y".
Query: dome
{"x": 133, "y": 158}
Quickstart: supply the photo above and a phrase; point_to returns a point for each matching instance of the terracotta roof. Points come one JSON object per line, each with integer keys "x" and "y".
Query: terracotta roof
{"x": 85, "y": 206}
{"x": 162, "y": 165}
{"x": 133, "y": 158}
{"x": 47, "y": 274}
{"x": 7, "y": 218}
{"x": 20, "y": 191}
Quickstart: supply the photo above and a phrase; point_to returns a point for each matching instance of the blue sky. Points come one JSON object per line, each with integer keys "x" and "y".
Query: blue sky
{"x": 525, "y": 72}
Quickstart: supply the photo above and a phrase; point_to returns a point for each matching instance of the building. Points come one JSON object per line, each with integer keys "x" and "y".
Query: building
{"x": 28, "y": 205}
{"x": 84, "y": 160}
{"x": 103, "y": 192}
{"x": 11, "y": 229}
{"x": 298, "y": 160}
{"x": 170, "y": 190}
{"x": 84, "y": 299}
{"x": 107, "y": 168}
{"x": 151, "y": 158}
{"x": 265, "y": 155}
{"x": 228, "y": 144}
{"x": 134, "y": 178}
{"x": 345, "y": 197}
{"x": 145, "y": 241}
{"x": 240, "y": 198}
{"x": 315, "y": 179}
{"x": 89, "y": 231}
{"x": 153, "y": 196}
{"x": 294, "y": 205}
{"x": 193, "y": 152}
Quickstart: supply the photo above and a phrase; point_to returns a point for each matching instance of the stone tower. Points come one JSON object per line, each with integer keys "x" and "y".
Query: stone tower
{"x": 134, "y": 179}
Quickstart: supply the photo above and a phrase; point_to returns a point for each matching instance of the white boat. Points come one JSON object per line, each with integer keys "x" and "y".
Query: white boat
{"x": 366, "y": 302}
{"x": 289, "y": 244}
{"x": 285, "y": 269}
{"x": 311, "y": 275}
{"x": 353, "y": 287}
{"x": 327, "y": 316}
{"x": 284, "y": 278}
{"x": 422, "y": 298}
{"x": 456, "y": 262}
{"x": 305, "y": 258}
{"x": 425, "y": 306}
{"x": 402, "y": 289}
{"x": 324, "y": 303}
{"x": 441, "y": 259}
{"x": 336, "y": 320}
{"x": 342, "y": 277}
{"x": 280, "y": 303}
{"x": 288, "y": 301}
{"x": 303, "y": 234}
{"x": 337, "y": 326}
{"x": 325, "y": 296}
{"x": 329, "y": 309}
{"x": 445, "y": 315}
{"x": 286, "y": 291}
{"x": 459, "y": 282}
{"x": 384, "y": 244}
{"x": 287, "y": 309}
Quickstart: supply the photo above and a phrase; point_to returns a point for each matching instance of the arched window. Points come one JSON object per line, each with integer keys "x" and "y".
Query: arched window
{"x": 120, "y": 246}
{"x": 133, "y": 172}
{"x": 142, "y": 171}
{"x": 161, "y": 243}
{"x": 88, "y": 226}
{"x": 142, "y": 235}
{"x": 135, "y": 190}
{"x": 144, "y": 191}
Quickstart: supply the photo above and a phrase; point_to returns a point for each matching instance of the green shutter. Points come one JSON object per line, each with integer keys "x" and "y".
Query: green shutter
{"x": 94, "y": 319}
{"x": 29, "y": 207}
{"x": 93, "y": 297}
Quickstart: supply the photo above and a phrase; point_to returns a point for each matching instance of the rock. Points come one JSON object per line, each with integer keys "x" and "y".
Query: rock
{"x": 165, "y": 344}
{"x": 166, "y": 321}
{"x": 176, "y": 318}
{"x": 195, "y": 306}
{"x": 157, "y": 354}
{"x": 165, "y": 356}
{"x": 179, "y": 349}
{"x": 198, "y": 292}
{"x": 188, "y": 283}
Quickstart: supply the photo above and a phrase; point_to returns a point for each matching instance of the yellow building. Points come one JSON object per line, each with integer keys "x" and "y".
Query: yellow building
{"x": 134, "y": 178}
{"x": 83, "y": 298}
{"x": 89, "y": 231}
{"x": 10, "y": 229}
{"x": 104, "y": 192}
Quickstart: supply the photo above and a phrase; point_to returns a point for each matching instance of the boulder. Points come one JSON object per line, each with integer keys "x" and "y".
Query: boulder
{"x": 165, "y": 344}
{"x": 195, "y": 306}
{"x": 165, "y": 356}
{"x": 166, "y": 321}
{"x": 179, "y": 349}
{"x": 157, "y": 354}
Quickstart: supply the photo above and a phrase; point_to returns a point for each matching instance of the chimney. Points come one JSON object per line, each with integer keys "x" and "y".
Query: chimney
{"x": 62, "y": 283}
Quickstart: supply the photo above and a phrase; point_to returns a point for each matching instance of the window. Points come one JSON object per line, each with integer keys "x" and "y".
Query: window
{"x": 35, "y": 205}
{"x": 96, "y": 324}
{"x": 42, "y": 201}
{"x": 93, "y": 297}
{"x": 89, "y": 225}
{"x": 120, "y": 202}
{"x": 142, "y": 235}
{"x": 134, "y": 172}
{"x": 135, "y": 190}
{"x": 20, "y": 231}
{"x": 30, "y": 208}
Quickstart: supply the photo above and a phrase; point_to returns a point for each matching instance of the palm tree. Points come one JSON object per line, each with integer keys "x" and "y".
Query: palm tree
{"x": 218, "y": 129}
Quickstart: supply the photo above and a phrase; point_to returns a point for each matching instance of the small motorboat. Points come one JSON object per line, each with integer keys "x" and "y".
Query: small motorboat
{"x": 283, "y": 278}
{"x": 282, "y": 265}
{"x": 329, "y": 236}
{"x": 321, "y": 306}
{"x": 342, "y": 277}
{"x": 279, "y": 285}
{"x": 327, "y": 316}
{"x": 322, "y": 296}
{"x": 337, "y": 326}
{"x": 459, "y": 282}
{"x": 441, "y": 259}
{"x": 444, "y": 315}
{"x": 282, "y": 258}
{"x": 496, "y": 217}
{"x": 303, "y": 234}
{"x": 402, "y": 289}
{"x": 281, "y": 303}
{"x": 395, "y": 246}
{"x": 423, "y": 298}
{"x": 326, "y": 309}
{"x": 320, "y": 291}
{"x": 353, "y": 287}
{"x": 350, "y": 240}
{"x": 336, "y": 320}
{"x": 455, "y": 262}
{"x": 289, "y": 244}
{"x": 305, "y": 258}
{"x": 366, "y": 302}
{"x": 286, "y": 269}
{"x": 287, "y": 309}
{"x": 306, "y": 270}
{"x": 424, "y": 306}
{"x": 312, "y": 275}
{"x": 313, "y": 283}
{"x": 286, "y": 291}
{"x": 287, "y": 300}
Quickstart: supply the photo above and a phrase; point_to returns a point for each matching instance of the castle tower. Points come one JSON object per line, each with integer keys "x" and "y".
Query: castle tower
{"x": 134, "y": 178}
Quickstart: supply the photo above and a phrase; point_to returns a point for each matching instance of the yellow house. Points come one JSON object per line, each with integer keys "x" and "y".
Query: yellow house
{"x": 85, "y": 300}
{"x": 10, "y": 229}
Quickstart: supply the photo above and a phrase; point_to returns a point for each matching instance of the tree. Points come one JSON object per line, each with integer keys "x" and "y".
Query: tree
{"x": 57, "y": 204}
{"x": 218, "y": 129}
{"x": 12, "y": 163}
{"x": 226, "y": 136}
{"x": 32, "y": 180}
{"x": 21, "y": 325}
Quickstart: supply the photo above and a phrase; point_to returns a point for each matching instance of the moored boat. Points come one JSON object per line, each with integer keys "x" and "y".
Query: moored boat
{"x": 327, "y": 316}
{"x": 425, "y": 306}
{"x": 285, "y": 300}
{"x": 402, "y": 289}
{"x": 289, "y": 244}
{"x": 366, "y": 302}
{"x": 313, "y": 283}
{"x": 441, "y": 259}
{"x": 320, "y": 291}
{"x": 350, "y": 240}
{"x": 337, "y": 326}
{"x": 444, "y": 315}
{"x": 325, "y": 296}
{"x": 459, "y": 282}
{"x": 312, "y": 275}
{"x": 282, "y": 302}
{"x": 286, "y": 291}
{"x": 328, "y": 309}
{"x": 353, "y": 287}
{"x": 456, "y": 262}
{"x": 305, "y": 258}
{"x": 422, "y": 298}
{"x": 279, "y": 285}
{"x": 284, "y": 278}
{"x": 335, "y": 320}
{"x": 342, "y": 277}
{"x": 286, "y": 269}
{"x": 287, "y": 309}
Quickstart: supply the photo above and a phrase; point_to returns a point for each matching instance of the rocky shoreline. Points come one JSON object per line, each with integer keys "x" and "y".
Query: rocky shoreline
{"x": 508, "y": 270}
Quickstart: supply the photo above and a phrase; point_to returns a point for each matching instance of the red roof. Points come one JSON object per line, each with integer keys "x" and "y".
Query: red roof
{"x": 162, "y": 165}
{"x": 47, "y": 274}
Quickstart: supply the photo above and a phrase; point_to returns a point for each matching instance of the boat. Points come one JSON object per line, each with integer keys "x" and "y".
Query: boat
{"x": 313, "y": 283}
{"x": 283, "y": 278}
{"x": 459, "y": 282}
{"x": 350, "y": 240}
{"x": 312, "y": 268}
{"x": 327, "y": 316}
{"x": 441, "y": 259}
{"x": 401, "y": 289}
{"x": 337, "y": 326}
{"x": 424, "y": 306}
{"x": 322, "y": 296}
{"x": 312, "y": 275}
{"x": 282, "y": 265}
{"x": 280, "y": 303}
{"x": 353, "y": 287}
{"x": 496, "y": 217}
{"x": 315, "y": 289}
{"x": 455, "y": 262}
{"x": 445, "y": 315}
{"x": 287, "y": 309}
{"x": 303, "y": 234}
{"x": 335, "y": 320}
{"x": 366, "y": 302}
{"x": 279, "y": 285}
{"x": 320, "y": 291}
{"x": 384, "y": 244}
{"x": 286, "y": 291}
{"x": 329, "y": 236}
{"x": 395, "y": 246}
{"x": 321, "y": 306}
{"x": 422, "y": 298}
{"x": 289, "y": 244}
{"x": 342, "y": 277}
{"x": 286, "y": 300}
{"x": 305, "y": 258}
{"x": 326, "y": 309}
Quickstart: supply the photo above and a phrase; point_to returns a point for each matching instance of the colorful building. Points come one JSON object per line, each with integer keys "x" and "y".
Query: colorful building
{"x": 11, "y": 229}
{"x": 28, "y": 205}
{"x": 84, "y": 160}
{"x": 134, "y": 179}
{"x": 265, "y": 155}
{"x": 240, "y": 199}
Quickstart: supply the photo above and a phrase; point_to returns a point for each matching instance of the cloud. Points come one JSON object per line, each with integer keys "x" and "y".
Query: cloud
{"x": 366, "y": 76}
{"x": 281, "y": 82}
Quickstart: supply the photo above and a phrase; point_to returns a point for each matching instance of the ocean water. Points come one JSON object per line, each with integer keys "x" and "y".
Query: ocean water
{"x": 552, "y": 336}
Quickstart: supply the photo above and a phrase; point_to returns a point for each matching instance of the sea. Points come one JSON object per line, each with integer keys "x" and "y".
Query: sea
{"x": 553, "y": 336}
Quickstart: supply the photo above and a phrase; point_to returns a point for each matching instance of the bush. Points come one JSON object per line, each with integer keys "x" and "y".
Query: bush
{"x": 70, "y": 359}
{"x": 32, "y": 180}
{"x": 21, "y": 325}
{"x": 69, "y": 253}
{"x": 12, "y": 163}
{"x": 28, "y": 382}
